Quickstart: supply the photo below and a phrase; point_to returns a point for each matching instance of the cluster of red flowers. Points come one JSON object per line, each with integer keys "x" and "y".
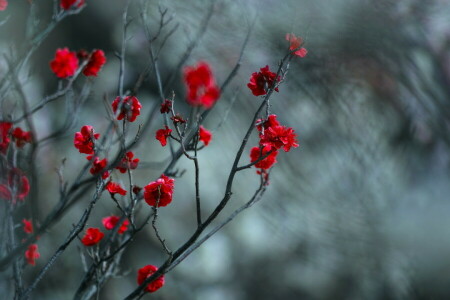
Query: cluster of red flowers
{"x": 159, "y": 193}
{"x": 128, "y": 162}
{"x": 110, "y": 222}
{"x": 20, "y": 137}
{"x": 273, "y": 136}
{"x": 16, "y": 187}
{"x": 65, "y": 63}
{"x": 201, "y": 85}
{"x": 130, "y": 108}
{"x": 263, "y": 80}
{"x": 84, "y": 139}
{"x": 98, "y": 166}
{"x": 147, "y": 271}
{"x": 32, "y": 253}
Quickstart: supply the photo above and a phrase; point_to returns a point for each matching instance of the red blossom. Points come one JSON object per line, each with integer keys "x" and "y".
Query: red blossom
{"x": 21, "y": 137}
{"x": 130, "y": 108}
{"x": 295, "y": 44}
{"x": 128, "y": 162}
{"x": 115, "y": 188}
{"x": 96, "y": 62}
{"x": 27, "y": 226}
{"x": 82, "y": 54}
{"x": 98, "y": 166}
{"x": 163, "y": 134}
{"x": 65, "y": 63}
{"x": 136, "y": 189}
{"x": 166, "y": 106}
{"x": 17, "y": 182}
{"x": 279, "y": 136}
{"x": 178, "y": 119}
{"x": 67, "y": 4}
{"x": 201, "y": 85}
{"x": 266, "y": 163}
{"x": 92, "y": 237}
{"x": 5, "y": 127}
{"x": 32, "y": 254}
{"x": 3, "y": 4}
{"x": 147, "y": 271}
{"x": 83, "y": 141}
{"x": 159, "y": 192}
{"x": 204, "y": 135}
{"x": 270, "y": 122}
{"x": 111, "y": 222}
{"x": 262, "y": 80}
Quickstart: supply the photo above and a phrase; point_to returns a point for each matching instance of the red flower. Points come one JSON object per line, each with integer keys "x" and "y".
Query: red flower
{"x": 147, "y": 271}
{"x": 4, "y": 136}
{"x": 111, "y": 222}
{"x": 128, "y": 162}
{"x": 136, "y": 189}
{"x": 201, "y": 85}
{"x": 83, "y": 141}
{"x": 96, "y": 61}
{"x": 166, "y": 107}
{"x": 204, "y": 135}
{"x": 3, "y": 4}
{"x": 295, "y": 43}
{"x": 159, "y": 193}
{"x": 115, "y": 188}
{"x": 21, "y": 137}
{"x": 65, "y": 63}
{"x": 270, "y": 122}
{"x": 27, "y": 226}
{"x": 92, "y": 237}
{"x": 99, "y": 166}
{"x": 130, "y": 108}
{"x": 18, "y": 182}
{"x": 279, "y": 136}
{"x": 178, "y": 119}
{"x": 266, "y": 163}
{"x": 163, "y": 134}
{"x": 67, "y": 4}
{"x": 264, "y": 79}
{"x": 32, "y": 254}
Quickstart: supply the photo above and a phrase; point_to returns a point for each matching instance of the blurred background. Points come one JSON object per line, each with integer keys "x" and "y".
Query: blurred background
{"x": 359, "y": 211}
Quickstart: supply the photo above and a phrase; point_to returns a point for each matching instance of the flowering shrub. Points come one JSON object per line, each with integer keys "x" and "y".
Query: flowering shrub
{"x": 111, "y": 159}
